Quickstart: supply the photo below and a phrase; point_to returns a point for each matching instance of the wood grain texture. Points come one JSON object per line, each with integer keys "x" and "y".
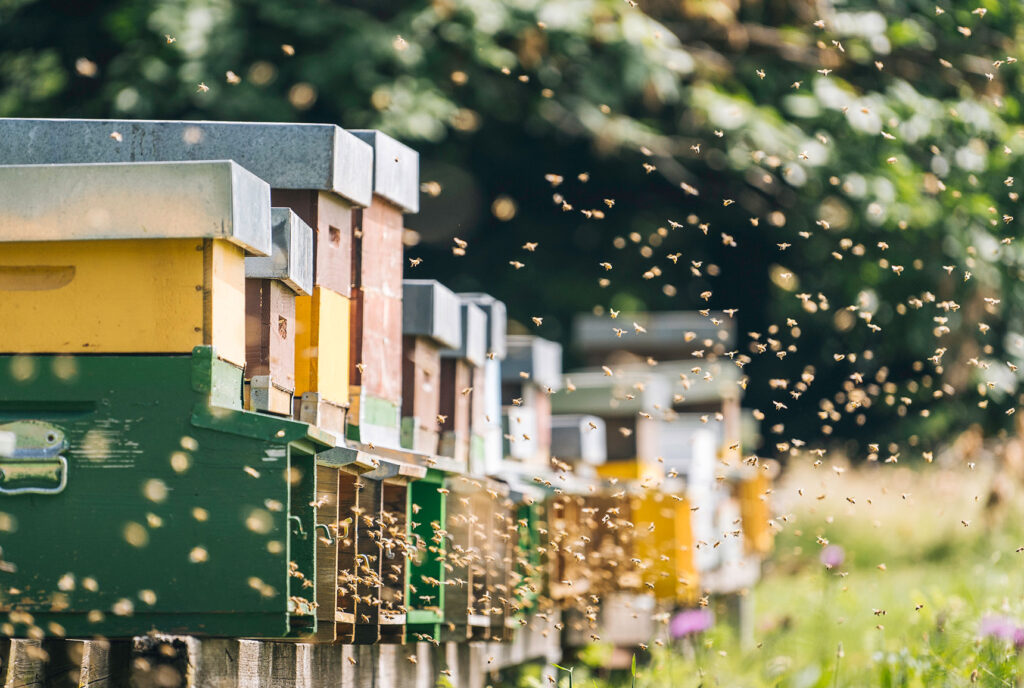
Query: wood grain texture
{"x": 327, "y": 552}
{"x": 270, "y": 331}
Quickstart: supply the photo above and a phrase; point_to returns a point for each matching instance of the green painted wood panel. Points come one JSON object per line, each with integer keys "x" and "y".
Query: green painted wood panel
{"x": 176, "y": 515}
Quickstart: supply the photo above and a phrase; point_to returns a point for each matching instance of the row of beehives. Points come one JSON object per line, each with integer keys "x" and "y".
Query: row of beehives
{"x": 206, "y": 331}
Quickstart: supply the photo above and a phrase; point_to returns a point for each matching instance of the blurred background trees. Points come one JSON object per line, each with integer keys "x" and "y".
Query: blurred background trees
{"x": 879, "y": 145}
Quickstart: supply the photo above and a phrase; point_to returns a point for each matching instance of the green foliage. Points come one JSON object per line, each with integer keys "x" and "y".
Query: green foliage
{"x": 498, "y": 94}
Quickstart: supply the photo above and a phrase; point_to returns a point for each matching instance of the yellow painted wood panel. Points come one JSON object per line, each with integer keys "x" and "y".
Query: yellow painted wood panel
{"x": 657, "y": 547}
{"x": 687, "y": 575}
{"x": 224, "y": 310}
{"x": 631, "y": 469}
{"x": 322, "y": 344}
{"x": 755, "y": 514}
{"x": 122, "y": 296}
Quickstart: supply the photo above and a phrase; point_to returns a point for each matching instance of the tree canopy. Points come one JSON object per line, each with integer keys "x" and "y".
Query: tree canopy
{"x": 842, "y": 173}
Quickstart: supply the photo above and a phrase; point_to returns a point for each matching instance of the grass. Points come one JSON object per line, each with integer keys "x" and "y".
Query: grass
{"x": 911, "y": 622}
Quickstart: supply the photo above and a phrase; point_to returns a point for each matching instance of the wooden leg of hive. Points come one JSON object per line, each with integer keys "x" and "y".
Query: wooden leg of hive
{"x": 367, "y": 668}
{"x": 92, "y": 663}
{"x": 327, "y": 665}
{"x": 25, "y": 665}
{"x": 217, "y": 663}
{"x": 349, "y": 671}
{"x": 254, "y": 662}
{"x": 290, "y": 665}
{"x": 425, "y": 669}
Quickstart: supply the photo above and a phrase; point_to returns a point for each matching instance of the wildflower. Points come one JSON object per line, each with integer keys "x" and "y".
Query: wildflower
{"x": 995, "y": 626}
{"x": 832, "y": 556}
{"x": 691, "y": 621}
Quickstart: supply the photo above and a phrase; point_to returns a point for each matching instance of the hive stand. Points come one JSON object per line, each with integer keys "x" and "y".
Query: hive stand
{"x": 271, "y": 286}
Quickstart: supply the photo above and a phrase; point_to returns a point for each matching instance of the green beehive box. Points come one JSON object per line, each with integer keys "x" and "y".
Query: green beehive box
{"x": 137, "y": 495}
{"x": 425, "y": 574}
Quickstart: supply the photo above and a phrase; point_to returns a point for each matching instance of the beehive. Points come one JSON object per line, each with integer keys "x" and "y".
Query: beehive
{"x": 320, "y": 171}
{"x": 271, "y": 285}
{"x": 532, "y": 371}
{"x": 458, "y": 367}
{"x": 431, "y": 321}
{"x": 376, "y": 349}
{"x": 592, "y": 542}
{"x": 468, "y": 602}
{"x": 633, "y": 406}
{"x": 426, "y": 587}
{"x": 486, "y": 444}
{"x": 338, "y": 482}
{"x": 128, "y": 258}
{"x": 664, "y": 543}
{"x": 199, "y": 514}
{"x": 579, "y": 439}
{"x": 755, "y": 512}
{"x": 526, "y": 550}
{"x": 394, "y": 546}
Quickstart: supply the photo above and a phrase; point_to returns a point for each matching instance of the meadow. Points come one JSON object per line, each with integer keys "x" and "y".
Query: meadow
{"x": 930, "y": 590}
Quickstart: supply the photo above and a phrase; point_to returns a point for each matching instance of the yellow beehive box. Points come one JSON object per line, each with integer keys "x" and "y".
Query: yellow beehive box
{"x": 631, "y": 469}
{"x": 755, "y": 513}
{"x": 684, "y": 555}
{"x": 128, "y": 258}
{"x": 654, "y": 515}
{"x": 322, "y": 340}
{"x": 156, "y": 296}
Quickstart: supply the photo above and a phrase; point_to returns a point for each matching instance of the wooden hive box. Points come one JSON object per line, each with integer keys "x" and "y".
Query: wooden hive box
{"x": 167, "y": 473}
{"x": 531, "y": 372}
{"x": 469, "y": 515}
{"x": 633, "y": 406}
{"x": 431, "y": 321}
{"x": 339, "y": 484}
{"x": 394, "y": 545}
{"x": 528, "y": 577}
{"x": 579, "y": 440}
{"x": 458, "y": 366}
{"x": 593, "y": 543}
{"x": 376, "y": 373}
{"x": 128, "y": 258}
{"x": 486, "y": 444}
{"x": 755, "y": 511}
{"x": 426, "y": 580}
{"x": 664, "y": 544}
{"x": 271, "y": 286}
{"x": 500, "y": 530}
{"x": 320, "y": 171}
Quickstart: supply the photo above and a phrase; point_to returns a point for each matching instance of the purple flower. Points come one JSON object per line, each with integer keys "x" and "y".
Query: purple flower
{"x": 833, "y": 556}
{"x": 690, "y": 621}
{"x": 995, "y": 626}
